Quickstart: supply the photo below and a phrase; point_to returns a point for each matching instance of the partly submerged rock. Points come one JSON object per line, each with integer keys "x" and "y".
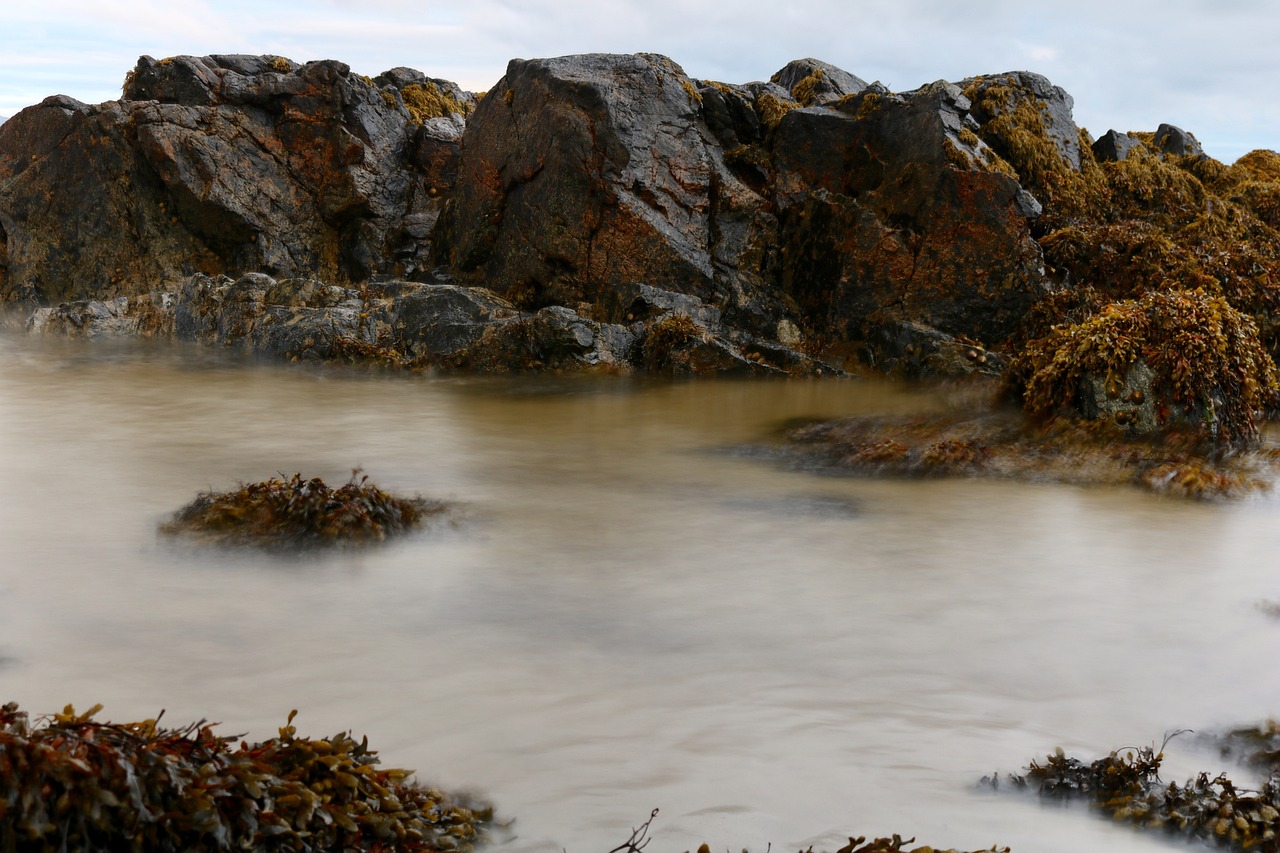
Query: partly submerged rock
{"x": 1177, "y": 361}
{"x": 812, "y": 213}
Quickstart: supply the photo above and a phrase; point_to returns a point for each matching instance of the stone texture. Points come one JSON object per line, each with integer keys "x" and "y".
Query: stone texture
{"x": 583, "y": 173}
{"x": 1114, "y": 146}
{"x": 1174, "y": 140}
{"x": 890, "y": 210}
{"x": 222, "y": 165}
{"x": 812, "y": 82}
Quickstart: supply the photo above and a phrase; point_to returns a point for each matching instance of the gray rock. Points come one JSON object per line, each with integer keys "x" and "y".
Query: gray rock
{"x": 812, "y": 82}
{"x": 1114, "y": 146}
{"x": 1174, "y": 140}
{"x": 1052, "y": 103}
{"x": 1131, "y": 403}
{"x": 915, "y": 350}
{"x": 440, "y": 319}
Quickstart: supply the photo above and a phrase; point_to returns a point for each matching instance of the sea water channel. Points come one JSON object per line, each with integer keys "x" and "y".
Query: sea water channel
{"x": 629, "y": 613}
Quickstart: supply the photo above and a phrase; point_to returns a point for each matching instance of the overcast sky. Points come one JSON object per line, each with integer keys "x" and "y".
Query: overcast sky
{"x": 1209, "y": 66}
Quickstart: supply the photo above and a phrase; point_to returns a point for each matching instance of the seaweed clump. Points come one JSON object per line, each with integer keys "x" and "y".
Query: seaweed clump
{"x": 665, "y": 338}
{"x": 70, "y": 782}
{"x": 1127, "y": 787}
{"x": 1199, "y": 359}
{"x": 298, "y": 512}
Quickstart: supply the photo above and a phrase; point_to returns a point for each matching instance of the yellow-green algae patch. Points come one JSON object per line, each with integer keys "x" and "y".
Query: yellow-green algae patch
{"x": 428, "y": 101}
{"x": 1208, "y": 370}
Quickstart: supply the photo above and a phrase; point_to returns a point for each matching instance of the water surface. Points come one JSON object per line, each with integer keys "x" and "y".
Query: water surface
{"x": 629, "y": 615}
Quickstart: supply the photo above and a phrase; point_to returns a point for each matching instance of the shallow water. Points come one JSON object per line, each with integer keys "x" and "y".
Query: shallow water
{"x": 629, "y": 615}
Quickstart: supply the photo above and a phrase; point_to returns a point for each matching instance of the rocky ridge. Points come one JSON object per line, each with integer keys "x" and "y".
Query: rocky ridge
{"x": 608, "y": 210}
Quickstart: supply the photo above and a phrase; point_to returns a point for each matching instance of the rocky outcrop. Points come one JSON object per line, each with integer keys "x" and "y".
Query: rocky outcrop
{"x": 606, "y": 210}
{"x": 892, "y": 209}
{"x": 225, "y": 164}
{"x": 812, "y": 203}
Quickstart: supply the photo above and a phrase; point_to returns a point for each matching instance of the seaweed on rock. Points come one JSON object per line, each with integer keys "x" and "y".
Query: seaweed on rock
{"x": 1201, "y": 358}
{"x": 70, "y": 782}
{"x": 298, "y": 512}
{"x": 1126, "y": 785}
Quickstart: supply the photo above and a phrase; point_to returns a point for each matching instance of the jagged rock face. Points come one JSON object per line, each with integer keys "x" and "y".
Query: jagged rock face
{"x": 892, "y": 209}
{"x": 582, "y": 173}
{"x": 224, "y": 164}
{"x": 1027, "y": 91}
{"x": 815, "y": 83}
{"x": 1114, "y": 147}
{"x": 810, "y": 209}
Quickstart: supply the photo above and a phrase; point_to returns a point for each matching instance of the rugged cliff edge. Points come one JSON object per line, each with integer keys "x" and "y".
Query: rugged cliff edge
{"x": 609, "y": 210}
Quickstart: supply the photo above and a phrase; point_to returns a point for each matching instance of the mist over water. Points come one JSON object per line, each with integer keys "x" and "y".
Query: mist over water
{"x": 629, "y": 614}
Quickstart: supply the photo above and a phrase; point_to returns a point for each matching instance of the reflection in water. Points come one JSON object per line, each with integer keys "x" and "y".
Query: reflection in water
{"x": 628, "y": 616}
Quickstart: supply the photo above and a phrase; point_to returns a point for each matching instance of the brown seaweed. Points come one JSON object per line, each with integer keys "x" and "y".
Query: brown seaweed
{"x": 1126, "y": 785}
{"x": 70, "y": 782}
{"x": 300, "y": 512}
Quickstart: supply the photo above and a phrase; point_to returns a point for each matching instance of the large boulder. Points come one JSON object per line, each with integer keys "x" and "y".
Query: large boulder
{"x": 225, "y": 164}
{"x": 582, "y": 173}
{"x": 892, "y": 209}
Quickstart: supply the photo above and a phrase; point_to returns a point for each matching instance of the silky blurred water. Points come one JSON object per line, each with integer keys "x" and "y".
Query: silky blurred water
{"x": 628, "y": 615}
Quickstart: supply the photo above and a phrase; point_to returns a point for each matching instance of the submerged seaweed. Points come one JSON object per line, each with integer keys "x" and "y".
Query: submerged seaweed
{"x": 72, "y": 783}
{"x": 298, "y": 512}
